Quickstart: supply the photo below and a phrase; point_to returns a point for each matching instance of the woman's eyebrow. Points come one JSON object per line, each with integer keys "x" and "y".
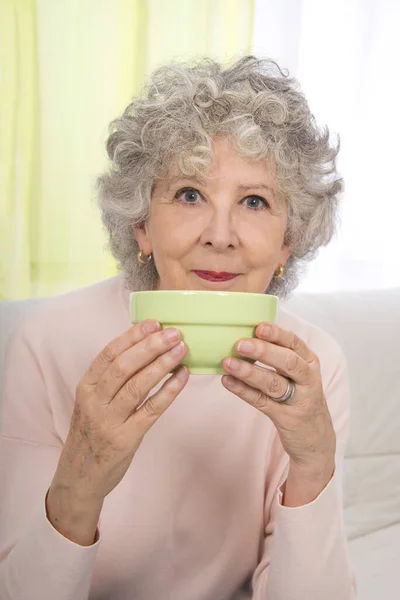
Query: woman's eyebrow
{"x": 240, "y": 188}
{"x": 194, "y": 179}
{"x": 245, "y": 188}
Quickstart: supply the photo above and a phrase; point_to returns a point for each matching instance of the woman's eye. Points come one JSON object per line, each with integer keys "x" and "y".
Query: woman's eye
{"x": 255, "y": 202}
{"x": 188, "y": 195}
{"x": 191, "y": 196}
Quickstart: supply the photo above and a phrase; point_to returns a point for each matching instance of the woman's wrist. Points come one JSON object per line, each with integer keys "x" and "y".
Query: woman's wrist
{"x": 72, "y": 516}
{"x": 302, "y": 486}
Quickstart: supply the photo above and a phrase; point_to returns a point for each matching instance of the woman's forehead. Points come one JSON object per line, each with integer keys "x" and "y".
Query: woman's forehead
{"x": 237, "y": 169}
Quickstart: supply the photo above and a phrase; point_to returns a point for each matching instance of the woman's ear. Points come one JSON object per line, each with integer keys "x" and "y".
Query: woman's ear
{"x": 284, "y": 255}
{"x": 143, "y": 238}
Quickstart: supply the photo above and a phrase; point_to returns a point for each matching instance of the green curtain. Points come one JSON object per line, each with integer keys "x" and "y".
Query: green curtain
{"x": 67, "y": 69}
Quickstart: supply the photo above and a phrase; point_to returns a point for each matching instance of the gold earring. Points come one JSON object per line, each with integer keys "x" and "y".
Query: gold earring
{"x": 142, "y": 258}
{"x": 279, "y": 272}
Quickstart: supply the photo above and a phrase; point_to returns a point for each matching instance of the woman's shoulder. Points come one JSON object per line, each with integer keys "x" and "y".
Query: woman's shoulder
{"x": 87, "y": 296}
{"x": 101, "y": 305}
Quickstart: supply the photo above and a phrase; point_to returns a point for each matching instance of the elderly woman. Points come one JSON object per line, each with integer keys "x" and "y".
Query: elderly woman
{"x": 121, "y": 481}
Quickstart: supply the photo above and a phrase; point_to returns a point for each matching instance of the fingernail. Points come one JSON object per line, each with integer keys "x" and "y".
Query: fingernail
{"x": 230, "y": 381}
{"x": 150, "y": 326}
{"x": 171, "y": 334}
{"x": 181, "y": 374}
{"x": 177, "y": 349}
{"x": 233, "y": 364}
{"x": 246, "y": 346}
{"x": 266, "y": 331}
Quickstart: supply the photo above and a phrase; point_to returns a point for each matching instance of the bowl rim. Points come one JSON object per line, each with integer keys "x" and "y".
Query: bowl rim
{"x": 206, "y": 292}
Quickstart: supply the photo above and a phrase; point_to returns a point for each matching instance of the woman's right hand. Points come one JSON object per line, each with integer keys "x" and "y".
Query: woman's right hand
{"x": 107, "y": 426}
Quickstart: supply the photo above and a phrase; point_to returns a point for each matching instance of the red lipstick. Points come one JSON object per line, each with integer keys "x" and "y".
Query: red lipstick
{"x": 214, "y": 276}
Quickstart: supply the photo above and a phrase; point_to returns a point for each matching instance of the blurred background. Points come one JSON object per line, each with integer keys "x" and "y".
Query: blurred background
{"x": 68, "y": 68}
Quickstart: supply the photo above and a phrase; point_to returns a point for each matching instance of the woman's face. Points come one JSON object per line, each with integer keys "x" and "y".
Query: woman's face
{"x": 231, "y": 221}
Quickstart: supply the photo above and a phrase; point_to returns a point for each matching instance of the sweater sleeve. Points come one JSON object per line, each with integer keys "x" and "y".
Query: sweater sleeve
{"x": 305, "y": 554}
{"x": 36, "y": 561}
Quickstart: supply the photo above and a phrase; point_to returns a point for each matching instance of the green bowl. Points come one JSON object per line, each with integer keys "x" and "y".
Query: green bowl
{"x": 210, "y": 322}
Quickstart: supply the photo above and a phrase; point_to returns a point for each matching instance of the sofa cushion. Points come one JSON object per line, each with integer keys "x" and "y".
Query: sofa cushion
{"x": 375, "y": 559}
{"x": 366, "y": 325}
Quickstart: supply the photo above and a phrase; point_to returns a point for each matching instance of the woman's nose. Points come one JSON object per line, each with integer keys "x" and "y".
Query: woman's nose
{"x": 220, "y": 231}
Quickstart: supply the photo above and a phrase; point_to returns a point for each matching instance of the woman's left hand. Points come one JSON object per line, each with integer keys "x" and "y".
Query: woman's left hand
{"x": 304, "y": 424}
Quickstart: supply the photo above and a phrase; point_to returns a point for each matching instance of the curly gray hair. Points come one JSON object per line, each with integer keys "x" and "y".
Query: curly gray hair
{"x": 181, "y": 109}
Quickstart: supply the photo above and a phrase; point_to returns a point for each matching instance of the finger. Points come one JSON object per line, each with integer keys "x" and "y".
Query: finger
{"x": 134, "y": 359}
{"x": 271, "y": 332}
{"x": 158, "y": 403}
{"x": 138, "y": 387}
{"x": 285, "y": 361}
{"x": 116, "y": 347}
{"x": 267, "y": 381}
{"x": 253, "y": 396}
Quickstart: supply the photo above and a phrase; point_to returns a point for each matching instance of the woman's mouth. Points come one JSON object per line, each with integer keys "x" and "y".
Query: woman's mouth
{"x": 214, "y": 276}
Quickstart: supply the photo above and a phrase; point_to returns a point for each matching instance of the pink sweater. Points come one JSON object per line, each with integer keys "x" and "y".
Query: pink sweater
{"x": 198, "y": 515}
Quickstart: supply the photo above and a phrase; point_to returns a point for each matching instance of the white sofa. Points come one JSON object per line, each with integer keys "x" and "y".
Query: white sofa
{"x": 367, "y": 326}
